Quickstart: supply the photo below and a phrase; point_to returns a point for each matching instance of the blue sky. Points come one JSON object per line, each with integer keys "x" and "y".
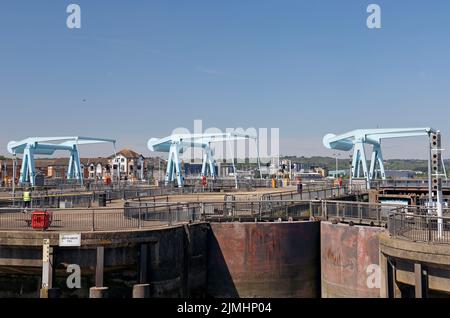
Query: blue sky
{"x": 140, "y": 69}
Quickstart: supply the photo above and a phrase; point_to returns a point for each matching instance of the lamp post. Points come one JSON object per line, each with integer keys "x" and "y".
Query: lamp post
{"x": 351, "y": 172}
{"x": 336, "y": 155}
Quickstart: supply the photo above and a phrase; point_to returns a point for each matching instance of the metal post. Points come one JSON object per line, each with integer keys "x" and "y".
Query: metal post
{"x": 139, "y": 216}
{"x": 388, "y": 278}
{"x": 98, "y": 292}
{"x": 202, "y": 211}
{"x": 259, "y": 210}
{"x": 50, "y": 293}
{"x": 141, "y": 291}
{"x": 430, "y": 193}
{"x": 337, "y": 208}
{"x": 93, "y": 220}
{"x": 14, "y": 178}
{"x": 440, "y": 214}
{"x": 336, "y": 173}
{"x": 143, "y": 264}
{"x": 99, "y": 266}
{"x": 47, "y": 268}
{"x": 394, "y": 222}
{"x": 421, "y": 281}
{"x": 379, "y": 214}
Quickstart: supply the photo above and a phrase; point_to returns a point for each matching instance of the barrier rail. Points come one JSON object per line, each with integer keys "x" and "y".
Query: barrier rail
{"x": 136, "y": 215}
{"x": 419, "y": 224}
{"x": 405, "y": 183}
{"x": 345, "y": 211}
{"x": 55, "y": 199}
{"x": 103, "y": 219}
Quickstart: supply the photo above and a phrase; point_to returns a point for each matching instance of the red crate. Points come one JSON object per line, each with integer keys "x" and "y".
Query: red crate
{"x": 40, "y": 220}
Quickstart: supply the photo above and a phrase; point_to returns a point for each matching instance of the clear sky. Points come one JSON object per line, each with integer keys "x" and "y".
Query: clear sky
{"x": 139, "y": 69}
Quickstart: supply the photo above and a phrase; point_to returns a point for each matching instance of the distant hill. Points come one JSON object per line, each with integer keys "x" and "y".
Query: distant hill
{"x": 391, "y": 164}
{"x": 329, "y": 163}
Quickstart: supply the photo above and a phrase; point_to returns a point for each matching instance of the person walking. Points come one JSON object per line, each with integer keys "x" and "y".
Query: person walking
{"x": 299, "y": 183}
{"x": 26, "y": 198}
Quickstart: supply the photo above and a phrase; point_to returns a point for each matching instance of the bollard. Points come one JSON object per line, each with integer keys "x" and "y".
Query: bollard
{"x": 50, "y": 293}
{"x": 98, "y": 292}
{"x": 141, "y": 291}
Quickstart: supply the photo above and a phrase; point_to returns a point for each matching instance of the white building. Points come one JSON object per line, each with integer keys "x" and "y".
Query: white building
{"x": 130, "y": 163}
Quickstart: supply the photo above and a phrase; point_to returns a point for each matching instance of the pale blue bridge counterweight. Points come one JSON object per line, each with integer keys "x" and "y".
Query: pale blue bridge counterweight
{"x": 47, "y": 146}
{"x": 357, "y": 139}
{"x": 175, "y": 145}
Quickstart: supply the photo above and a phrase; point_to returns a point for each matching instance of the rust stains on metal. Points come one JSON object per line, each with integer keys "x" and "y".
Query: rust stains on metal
{"x": 264, "y": 260}
{"x": 346, "y": 253}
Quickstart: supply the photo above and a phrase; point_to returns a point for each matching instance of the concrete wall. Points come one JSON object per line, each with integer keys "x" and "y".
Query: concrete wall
{"x": 264, "y": 260}
{"x": 176, "y": 263}
{"x": 346, "y": 253}
{"x": 414, "y": 264}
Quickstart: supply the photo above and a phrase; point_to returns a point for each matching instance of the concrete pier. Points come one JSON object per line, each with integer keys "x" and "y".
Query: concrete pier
{"x": 98, "y": 292}
{"x": 141, "y": 291}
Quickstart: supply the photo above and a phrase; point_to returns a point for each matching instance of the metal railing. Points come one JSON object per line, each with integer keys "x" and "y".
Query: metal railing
{"x": 100, "y": 219}
{"x": 312, "y": 192}
{"x": 419, "y": 224}
{"x": 59, "y": 199}
{"x": 404, "y": 183}
{"x": 357, "y": 212}
{"x": 345, "y": 211}
{"x": 142, "y": 214}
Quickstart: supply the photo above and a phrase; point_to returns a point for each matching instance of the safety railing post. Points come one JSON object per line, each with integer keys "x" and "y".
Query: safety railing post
{"x": 93, "y": 220}
{"x": 337, "y": 208}
{"x": 139, "y": 216}
{"x": 170, "y": 216}
{"x": 260, "y": 209}
{"x": 394, "y": 222}
{"x": 359, "y": 213}
{"x": 379, "y": 214}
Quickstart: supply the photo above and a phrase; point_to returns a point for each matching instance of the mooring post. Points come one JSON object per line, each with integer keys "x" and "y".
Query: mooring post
{"x": 141, "y": 291}
{"x": 386, "y": 290}
{"x": 143, "y": 264}
{"x": 99, "y": 266}
{"x": 98, "y": 292}
{"x": 421, "y": 281}
{"x": 47, "y": 269}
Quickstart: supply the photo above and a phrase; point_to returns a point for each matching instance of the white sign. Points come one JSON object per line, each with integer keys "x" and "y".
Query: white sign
{"x": 72, "y": 239}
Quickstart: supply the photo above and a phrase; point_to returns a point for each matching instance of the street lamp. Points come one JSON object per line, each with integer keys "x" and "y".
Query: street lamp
{"x": 336, "y": 156}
